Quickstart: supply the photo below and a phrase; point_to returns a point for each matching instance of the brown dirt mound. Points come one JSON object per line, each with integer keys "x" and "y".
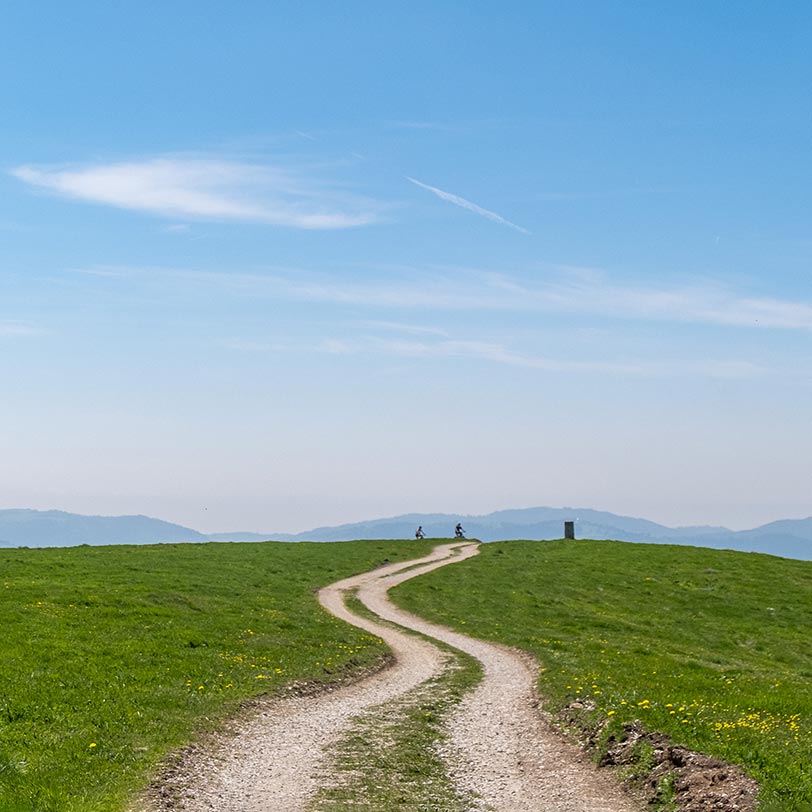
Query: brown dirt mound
{"x": 699, "y": 783}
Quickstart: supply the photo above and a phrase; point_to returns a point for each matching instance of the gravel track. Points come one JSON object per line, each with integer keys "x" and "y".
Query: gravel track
{"x": 500, "y": 748}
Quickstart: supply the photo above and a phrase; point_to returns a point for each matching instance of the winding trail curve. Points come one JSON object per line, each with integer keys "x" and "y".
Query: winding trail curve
{"x": 500, "y": 748}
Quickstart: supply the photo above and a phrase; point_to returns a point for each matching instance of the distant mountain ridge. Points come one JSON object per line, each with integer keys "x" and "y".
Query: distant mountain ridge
{"x": 56, "y": 528}
{"x": 790, "y": 538}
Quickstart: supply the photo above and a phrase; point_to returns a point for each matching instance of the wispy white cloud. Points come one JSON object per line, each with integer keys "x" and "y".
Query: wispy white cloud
{"x": 210, "y": 189}
{"x": 467, "y": 204}
{"x": 499, "y": 354}
{"x": 491, "y": 352}
{"x": 587, "y": 291}
{"x": 245, "y": 345}
{"x": 571, "y": 291}
{"x": 725, "y": 369}
{"x": 110, "y": 272}
{"x": 402, "y": 327}
{"x": 419, "y": 291}
{"x": 575, "y": 294}
{"x": 17, "y": 329}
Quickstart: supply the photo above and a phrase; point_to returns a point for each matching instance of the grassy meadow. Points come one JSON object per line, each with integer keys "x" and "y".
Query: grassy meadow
{"x": 713, "y": 648}
{"x": 114, "y": 656}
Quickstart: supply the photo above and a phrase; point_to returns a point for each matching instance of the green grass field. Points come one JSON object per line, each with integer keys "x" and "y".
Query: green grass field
{"x": 713, "y": 648}
{"x": 114, "y": 656}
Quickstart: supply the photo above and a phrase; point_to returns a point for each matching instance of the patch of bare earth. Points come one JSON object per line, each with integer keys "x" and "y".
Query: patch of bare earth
{"x": 699, "y": 783}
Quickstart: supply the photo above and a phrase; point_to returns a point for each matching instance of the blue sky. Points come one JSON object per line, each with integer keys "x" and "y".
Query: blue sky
{"x": 270, "y": 266}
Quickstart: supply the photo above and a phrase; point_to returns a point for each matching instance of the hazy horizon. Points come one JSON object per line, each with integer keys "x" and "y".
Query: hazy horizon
{"x": 374, "y": 518}
{"x": 283, "y": 266}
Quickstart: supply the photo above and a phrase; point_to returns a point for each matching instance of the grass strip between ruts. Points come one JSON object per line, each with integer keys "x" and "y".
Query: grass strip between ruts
{"x": 391, "y": 759}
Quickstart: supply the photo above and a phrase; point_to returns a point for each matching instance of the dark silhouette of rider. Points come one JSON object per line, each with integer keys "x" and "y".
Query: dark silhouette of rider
{"x": 419, "y": 534}
{"x": 459, "y": 533}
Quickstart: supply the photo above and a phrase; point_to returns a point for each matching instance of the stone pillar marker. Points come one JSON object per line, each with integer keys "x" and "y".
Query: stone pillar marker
{"x": 569, "y": 530}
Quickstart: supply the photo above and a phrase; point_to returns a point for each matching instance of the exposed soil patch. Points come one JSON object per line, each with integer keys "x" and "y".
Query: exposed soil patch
{"x": 698, "y": 783}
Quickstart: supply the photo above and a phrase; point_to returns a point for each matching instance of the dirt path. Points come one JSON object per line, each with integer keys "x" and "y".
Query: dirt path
{"x": 499, "y": 749}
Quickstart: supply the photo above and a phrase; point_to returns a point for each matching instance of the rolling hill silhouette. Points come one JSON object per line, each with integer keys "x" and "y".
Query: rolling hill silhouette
{"x": 790, "y": 538}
